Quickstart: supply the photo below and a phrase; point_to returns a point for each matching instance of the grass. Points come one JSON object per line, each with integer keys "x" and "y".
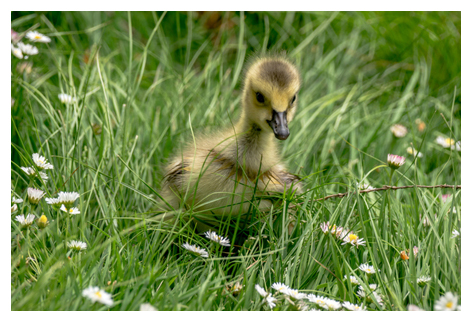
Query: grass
{"x": 146, "y": 81}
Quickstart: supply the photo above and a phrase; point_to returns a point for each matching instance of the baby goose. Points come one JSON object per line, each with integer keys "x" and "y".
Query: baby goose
{"x": 220, "y": 171}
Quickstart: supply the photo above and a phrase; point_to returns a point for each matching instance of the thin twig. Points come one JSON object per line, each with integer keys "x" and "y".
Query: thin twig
{"x": 387, "y": 187}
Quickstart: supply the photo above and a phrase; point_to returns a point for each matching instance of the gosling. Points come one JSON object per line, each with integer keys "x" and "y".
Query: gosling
{"x": 222, "y": 171}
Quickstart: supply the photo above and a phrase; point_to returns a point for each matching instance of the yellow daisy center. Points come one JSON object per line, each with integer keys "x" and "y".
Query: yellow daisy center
{"x": 98, "y": 294}
{"x": 450, "y": 141}
{"x": 449, "y": 305}
{"x": 353, "y": 237}
{"x": 37, "y": 37}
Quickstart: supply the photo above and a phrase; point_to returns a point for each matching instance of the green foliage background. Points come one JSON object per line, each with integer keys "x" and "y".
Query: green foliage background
{"x": 143, "y": 80}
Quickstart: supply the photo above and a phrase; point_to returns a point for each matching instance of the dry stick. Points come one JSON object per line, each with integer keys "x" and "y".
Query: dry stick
{"x": 387, "y": 187}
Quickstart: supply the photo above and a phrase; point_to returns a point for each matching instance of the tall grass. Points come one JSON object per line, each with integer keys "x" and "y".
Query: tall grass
{"x": 145, "y": 81}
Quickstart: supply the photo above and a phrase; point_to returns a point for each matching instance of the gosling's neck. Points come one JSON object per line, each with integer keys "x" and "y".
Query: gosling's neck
{"x": 255, "y": 145}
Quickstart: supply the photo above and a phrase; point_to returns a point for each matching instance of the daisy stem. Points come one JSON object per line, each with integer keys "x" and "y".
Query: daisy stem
{"x": 79, "y": 269}
{"x": 27, "y": 239}
{"x": 66, "y": 228}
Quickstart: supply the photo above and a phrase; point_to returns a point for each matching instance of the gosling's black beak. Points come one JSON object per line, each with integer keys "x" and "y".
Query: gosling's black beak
{"x": 279, "y": 125}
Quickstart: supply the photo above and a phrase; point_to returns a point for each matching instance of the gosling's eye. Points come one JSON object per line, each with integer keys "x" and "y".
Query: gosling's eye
{"x": 259, "y": 97}
{"x": 293, "y": 99}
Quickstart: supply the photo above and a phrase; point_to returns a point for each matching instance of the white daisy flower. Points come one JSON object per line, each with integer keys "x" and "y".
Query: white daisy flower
{"x": 294, "y": 294}
{"x": 197, "y": 251}
{"x": 41, "y": 162}
{"x": 353, "y": 307}
{"x": 399, "y": 130}
{"x": 412, "y": 307}
{"x": 66, "y": 198}
{"x": 35, "y": 195}
{"x": 353, "y": 239}
{"x": 66, "y": 98}
{"x": 302, "y": 307}
{"x": 16, "y": 52}
{"x": 371, "y": 286}
{"x": 445, "y": 197}
{"x": 37, "y": 37}
{"x": 32, "y": 172}
{"x": 27, "y": 49}
{"x": 147, "y": 307}
{"x": 353, "y": 280}
{"x": 14, "y": 36}
{"x": 333, "y": 228}
{"x": 271, "y": 301}
{"x": 14, "y": 208}
{"x": 339, "y": 232}
{"x": 325, "y": 226}
{"x": 345, "y": 233}
{"x": 369, "y": 297}
{"x": 261, "y": 290}
{"x": 25, "y": 222}
{"x": 378, "y": 298}
{"x": 455, "y": 234}
{"x": 319, "y": 300}
{"x": 96, "y": 294}
{"x": 415, "y": 250}
{"x": 16, "y": 200}
{"x": 333, "y": 305}
{"x": 72, "y": 210}
{"x": 218, "y": 239}
{"x": 367, "y": 269}
{"x": 77, "y": 245}
{"x": 458, "y": 146}
{"x": 446, "y": 142}
{"x": 29, "y": 170}
{"x": 362, "y": 187}
{"x": 25, "y": 67}
{"x": 423, "y": 280}
{"x": 235, "y": 288}
{"x": 280, "y": 287}
{"x": 414, "y": 152}
{"x": 43, "y": 176}
{"x": 395, "y": 161}
{"x": 448, "y": 302}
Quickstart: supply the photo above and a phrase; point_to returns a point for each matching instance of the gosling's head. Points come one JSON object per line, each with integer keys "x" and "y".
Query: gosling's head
{"x": 270, "y": 93}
